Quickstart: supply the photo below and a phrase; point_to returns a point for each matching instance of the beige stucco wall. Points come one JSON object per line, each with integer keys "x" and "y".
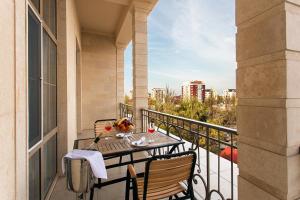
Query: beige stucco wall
{"x": 7, "y": 108}
{"x": 73, "y": 36}
{"x": 99, "y": 69}
{"x": 68, "y": 36}
{"x": 268, "y": 113}
{"x": 13, "y": 118}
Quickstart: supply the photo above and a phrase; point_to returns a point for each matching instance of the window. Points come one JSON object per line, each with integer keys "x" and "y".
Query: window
{"x": 42, "y": 100}
{"x": 50, "y": 156}
{"x": 34, "y": 73}
{"x": 36, "y": 4}
{"x": 49, "y": 14}
{"x": 35, "y": 176}
{"x": 49, "y": 84}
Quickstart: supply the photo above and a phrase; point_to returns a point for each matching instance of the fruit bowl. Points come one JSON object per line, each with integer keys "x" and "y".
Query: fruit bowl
{"x": 124, "y": 125}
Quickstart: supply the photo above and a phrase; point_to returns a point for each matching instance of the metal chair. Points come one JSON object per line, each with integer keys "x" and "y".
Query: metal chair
{"x": 164, "y": 177}
{"x": 79, "y": 177}
{"x": 99, "y": 125}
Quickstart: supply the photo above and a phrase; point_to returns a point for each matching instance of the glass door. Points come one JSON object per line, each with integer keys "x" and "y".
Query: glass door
{"x": 42, "y": 96}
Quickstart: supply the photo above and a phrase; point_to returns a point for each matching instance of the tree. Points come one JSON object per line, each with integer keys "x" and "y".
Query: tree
{"x": 127, "y": 99}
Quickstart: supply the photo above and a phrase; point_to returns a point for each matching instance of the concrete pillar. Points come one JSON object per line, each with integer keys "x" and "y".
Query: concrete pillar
{"x": 120, "y": 77}
{"x": 13, "y": 101}
{"x": 62, "y": 100}
{"x": 140, "y": 64}
{"x": 268, "y": 89}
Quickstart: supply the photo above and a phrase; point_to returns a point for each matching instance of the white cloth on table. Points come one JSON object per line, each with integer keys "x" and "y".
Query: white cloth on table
{"x": 95, "y": 159}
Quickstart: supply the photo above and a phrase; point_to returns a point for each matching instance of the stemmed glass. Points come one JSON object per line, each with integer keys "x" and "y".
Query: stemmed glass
{"x": 151, "y": 128}
{"x": 108, "y": 128}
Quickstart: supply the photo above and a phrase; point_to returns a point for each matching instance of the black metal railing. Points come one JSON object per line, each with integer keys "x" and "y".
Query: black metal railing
{"x": 126, "y": 111}
{"x": 209, "y": 141}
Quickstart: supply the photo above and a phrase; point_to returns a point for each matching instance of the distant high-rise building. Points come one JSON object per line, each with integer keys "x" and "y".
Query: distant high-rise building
{"x": 193, "y": 89}
{"x": 158, "y": 94}
{"x": 210, "y": 93}
{"x": 229, "y": 93}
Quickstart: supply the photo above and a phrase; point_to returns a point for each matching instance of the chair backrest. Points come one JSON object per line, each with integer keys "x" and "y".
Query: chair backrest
{"x": 167, "y": 170}
{"x": 99, "y": 125}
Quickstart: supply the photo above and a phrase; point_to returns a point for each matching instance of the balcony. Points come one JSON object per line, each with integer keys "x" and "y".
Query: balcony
{"x": 214, "y": 175}
{"x": 62, "y": 68}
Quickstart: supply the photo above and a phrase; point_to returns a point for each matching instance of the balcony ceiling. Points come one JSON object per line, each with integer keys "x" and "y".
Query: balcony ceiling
{"x": 101, "y": 16}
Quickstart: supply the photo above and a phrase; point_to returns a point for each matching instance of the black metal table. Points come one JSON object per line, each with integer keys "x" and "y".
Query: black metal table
{"x": 113, "y": 146}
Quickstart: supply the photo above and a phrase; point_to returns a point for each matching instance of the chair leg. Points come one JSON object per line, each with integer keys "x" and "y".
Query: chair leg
{"x": 127, "y": 187}
{"x": 170, "y": 198}
{"x": 192, "y": 193}
{"x": 92, "y": 193}
{"x": 120, "y": 160}
{"x": 131, "y": 157}
{"x": 135, "y": 192}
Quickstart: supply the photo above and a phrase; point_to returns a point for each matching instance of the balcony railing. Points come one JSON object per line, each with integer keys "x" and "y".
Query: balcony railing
{"x": 203, "y": 138}
{"x": 126, "y": 111}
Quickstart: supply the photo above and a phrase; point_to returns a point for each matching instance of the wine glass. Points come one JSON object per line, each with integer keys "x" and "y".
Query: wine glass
{"x": 108, "y": 128}
{"x": 151, "y": 128}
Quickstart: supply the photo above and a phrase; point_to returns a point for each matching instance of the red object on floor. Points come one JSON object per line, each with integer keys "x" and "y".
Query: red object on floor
{"x": 226, "y": 153}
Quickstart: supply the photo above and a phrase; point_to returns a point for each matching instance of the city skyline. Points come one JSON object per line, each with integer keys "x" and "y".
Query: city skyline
{"x": 198, "y": 44}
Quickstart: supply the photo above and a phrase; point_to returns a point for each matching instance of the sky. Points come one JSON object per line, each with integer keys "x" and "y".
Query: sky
{"x": 189, "y": 40}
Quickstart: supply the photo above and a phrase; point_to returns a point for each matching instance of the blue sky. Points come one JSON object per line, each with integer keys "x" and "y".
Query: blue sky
{"x": 189, "y": 40}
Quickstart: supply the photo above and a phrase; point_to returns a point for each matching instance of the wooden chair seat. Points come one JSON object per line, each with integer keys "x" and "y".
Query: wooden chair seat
{"x": 163, "y": 177}
{"x": 158, "y": 192}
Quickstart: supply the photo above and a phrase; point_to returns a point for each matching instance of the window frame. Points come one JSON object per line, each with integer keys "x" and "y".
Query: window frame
{"x": 40, "y": 145}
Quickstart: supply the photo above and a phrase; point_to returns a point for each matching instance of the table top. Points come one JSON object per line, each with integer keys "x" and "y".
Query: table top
{"x": 111, "y": 146}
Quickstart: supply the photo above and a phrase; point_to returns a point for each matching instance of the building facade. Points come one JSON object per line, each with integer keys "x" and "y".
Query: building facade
{"x": 158, "y": 94}
{"x": 210, "y": 93}
{"x": 62, "y": 67}
{"x": 193, "y": 90}
{"x": 229, "y": 93}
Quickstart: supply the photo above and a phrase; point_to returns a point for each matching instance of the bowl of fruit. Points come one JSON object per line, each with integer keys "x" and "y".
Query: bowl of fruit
{"x": 124, "y": 125}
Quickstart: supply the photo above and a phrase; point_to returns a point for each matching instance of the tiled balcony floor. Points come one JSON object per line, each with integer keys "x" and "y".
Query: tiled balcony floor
{"x": 117, "y": 191}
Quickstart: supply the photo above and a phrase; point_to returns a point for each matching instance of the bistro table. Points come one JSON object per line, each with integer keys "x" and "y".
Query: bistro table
{"x": 113, "y": 146}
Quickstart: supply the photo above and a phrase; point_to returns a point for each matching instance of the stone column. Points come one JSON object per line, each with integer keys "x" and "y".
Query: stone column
{"x": 268, "y": 87}
{"x": 13, "y": 101}
{"x": 62, "y": 99}
{"x": 140, "y": 64}
{"x": 120, "y": 77}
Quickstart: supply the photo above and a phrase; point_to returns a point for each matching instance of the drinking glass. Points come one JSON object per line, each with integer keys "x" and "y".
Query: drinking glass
{"x": 151, "y": 128}
{"x": 108, "y": 126}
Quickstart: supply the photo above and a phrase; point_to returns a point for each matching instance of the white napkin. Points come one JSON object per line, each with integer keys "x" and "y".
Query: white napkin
{"x": 95, "y": 159}
{"x": 139, "y": 142}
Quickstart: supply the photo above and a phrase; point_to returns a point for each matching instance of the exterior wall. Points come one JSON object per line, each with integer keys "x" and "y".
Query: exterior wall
{"x": 99, "y": 67}
{"x": 140, "y": 63}
{"x": 120, "y": 77}
{"x": 68, "y": 32}
{"x": 268, "y": 56}
{"x": 73, "y": 36}
{"x": 13, "y": 118}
